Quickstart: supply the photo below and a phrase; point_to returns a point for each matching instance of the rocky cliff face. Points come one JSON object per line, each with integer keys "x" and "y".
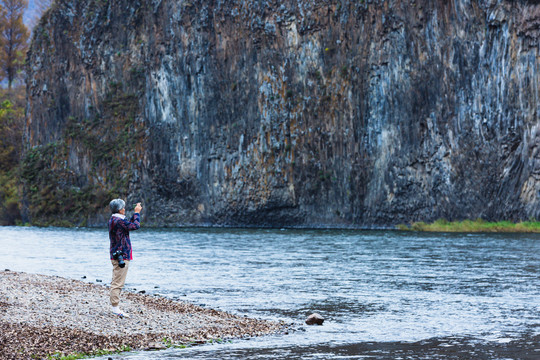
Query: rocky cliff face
{"x": 309, "y": 113}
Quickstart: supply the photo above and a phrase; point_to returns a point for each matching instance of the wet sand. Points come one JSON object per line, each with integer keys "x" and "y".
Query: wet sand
{"x": 44, "y": 315}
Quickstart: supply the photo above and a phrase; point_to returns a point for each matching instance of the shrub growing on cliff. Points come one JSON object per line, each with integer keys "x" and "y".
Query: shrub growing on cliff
{"x": 54, "y": 195}
{"x": 11, "y": 124}
{"x": 10, "y": 128}
{"x": 61, "y": 196}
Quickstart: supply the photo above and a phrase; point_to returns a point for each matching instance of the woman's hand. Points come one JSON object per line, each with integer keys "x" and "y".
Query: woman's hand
{"x": 138, "y": 208}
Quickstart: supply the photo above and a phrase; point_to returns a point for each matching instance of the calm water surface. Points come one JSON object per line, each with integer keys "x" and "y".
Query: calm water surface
{"x": 384, "y": 295}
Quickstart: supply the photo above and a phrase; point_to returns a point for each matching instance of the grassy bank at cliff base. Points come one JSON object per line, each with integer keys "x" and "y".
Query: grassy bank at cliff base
{"x": 478, "y": 225}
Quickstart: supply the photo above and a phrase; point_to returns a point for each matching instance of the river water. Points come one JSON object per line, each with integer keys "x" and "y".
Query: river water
{"x": 383, "y": 294}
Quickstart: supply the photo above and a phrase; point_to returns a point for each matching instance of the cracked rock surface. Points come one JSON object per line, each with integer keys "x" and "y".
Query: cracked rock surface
{"x": 299, "y": 113}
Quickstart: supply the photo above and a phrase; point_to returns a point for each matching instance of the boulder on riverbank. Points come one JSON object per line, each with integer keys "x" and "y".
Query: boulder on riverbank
{"x": 43, "y": 315}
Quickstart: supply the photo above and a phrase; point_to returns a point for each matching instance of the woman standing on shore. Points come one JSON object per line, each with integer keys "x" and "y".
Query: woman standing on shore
{"x": 120, "y": 249}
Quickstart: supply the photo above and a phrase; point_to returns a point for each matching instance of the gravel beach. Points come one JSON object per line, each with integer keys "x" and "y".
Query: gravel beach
{"x": 43, "y": 315}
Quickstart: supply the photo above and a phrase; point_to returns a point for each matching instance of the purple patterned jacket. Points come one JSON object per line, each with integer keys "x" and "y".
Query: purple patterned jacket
{"x": 119, "y": 229}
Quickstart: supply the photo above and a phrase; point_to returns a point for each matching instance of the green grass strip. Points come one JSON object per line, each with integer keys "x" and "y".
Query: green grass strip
{"x": 478, "y": 225}
{"x": 167, "y": 342}
{"x": 95, "y": 353}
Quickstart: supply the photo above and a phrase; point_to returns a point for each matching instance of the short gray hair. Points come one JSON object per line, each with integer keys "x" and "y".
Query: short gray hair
{"x": 116, "y": 205}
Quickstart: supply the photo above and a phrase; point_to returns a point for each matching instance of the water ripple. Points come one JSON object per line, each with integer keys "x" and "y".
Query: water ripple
{"x": 383, "y": 294}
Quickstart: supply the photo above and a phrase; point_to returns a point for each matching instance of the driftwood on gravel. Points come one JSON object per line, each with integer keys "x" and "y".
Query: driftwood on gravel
{"x": 42, "y": 315}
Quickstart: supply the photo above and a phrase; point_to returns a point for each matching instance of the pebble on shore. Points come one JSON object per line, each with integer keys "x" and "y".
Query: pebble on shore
{"x": 43, "y": 315}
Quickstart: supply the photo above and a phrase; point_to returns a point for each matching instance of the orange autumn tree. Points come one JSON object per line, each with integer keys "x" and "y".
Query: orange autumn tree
{"x": 13, "y": 39}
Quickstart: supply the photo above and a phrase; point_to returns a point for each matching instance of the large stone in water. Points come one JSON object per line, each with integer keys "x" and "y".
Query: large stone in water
{"x": 315, "y": 319}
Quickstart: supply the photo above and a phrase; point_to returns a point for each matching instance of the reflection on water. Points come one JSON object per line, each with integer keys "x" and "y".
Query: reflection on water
{"x": 383, "y": 294}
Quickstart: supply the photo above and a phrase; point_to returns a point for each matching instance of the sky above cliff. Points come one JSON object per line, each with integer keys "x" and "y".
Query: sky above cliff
{"x": 29, "y": 13}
